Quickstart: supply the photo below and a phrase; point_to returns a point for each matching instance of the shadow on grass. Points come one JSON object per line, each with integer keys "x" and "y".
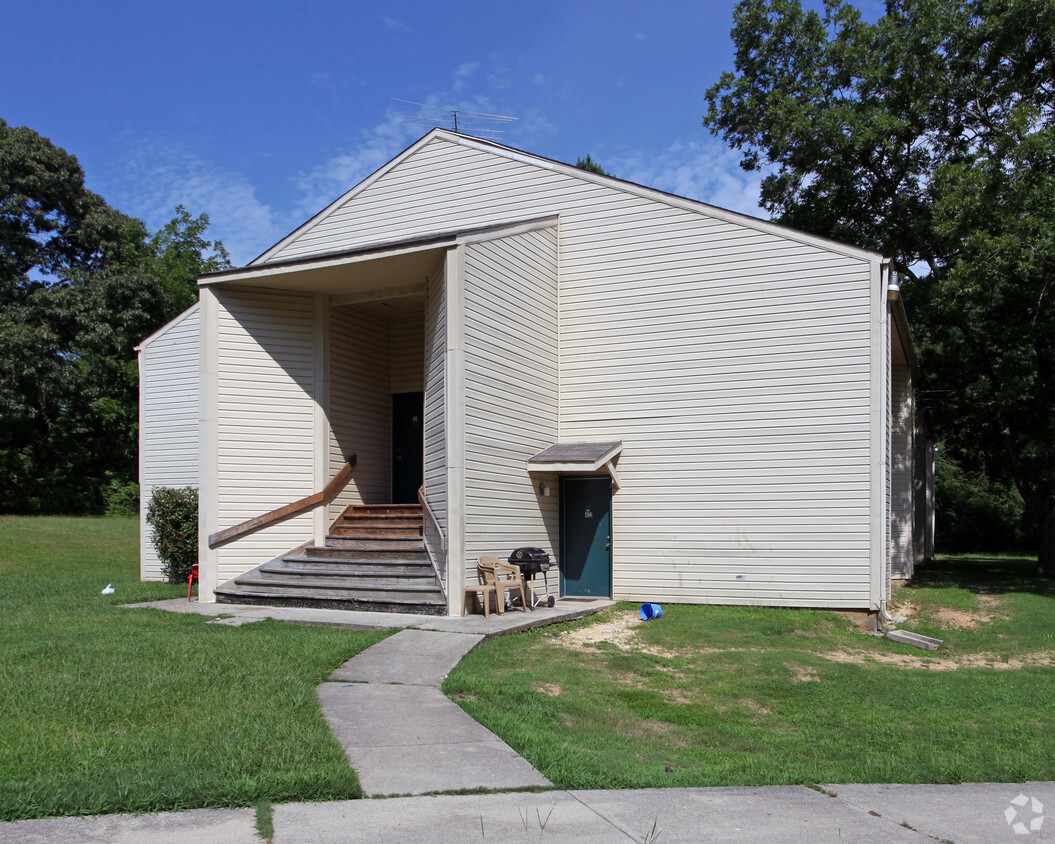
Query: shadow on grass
{"x": 983, "y": 575}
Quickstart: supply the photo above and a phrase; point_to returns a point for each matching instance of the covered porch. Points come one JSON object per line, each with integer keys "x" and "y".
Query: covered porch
{"x": 305, "y": 364}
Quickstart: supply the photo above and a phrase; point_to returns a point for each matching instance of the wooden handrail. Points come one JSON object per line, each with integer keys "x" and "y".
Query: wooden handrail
{"x": 254, "y": 524}
{"x": 432, "y": 516}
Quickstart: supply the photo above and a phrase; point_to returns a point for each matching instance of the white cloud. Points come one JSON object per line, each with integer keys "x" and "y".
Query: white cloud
{"x": 378, "y": 144}
{"x": 341, "y": 172}
{"x": 395, "y": 24}
{"x": 156, "y": 177}
{"x": 702, "y": 170}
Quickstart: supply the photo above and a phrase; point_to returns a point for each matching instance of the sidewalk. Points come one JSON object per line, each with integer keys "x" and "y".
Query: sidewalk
{"x": 869, "y": 814}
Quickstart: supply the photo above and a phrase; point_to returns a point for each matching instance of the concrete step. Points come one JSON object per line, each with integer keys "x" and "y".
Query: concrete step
{"x": 420, "y": 604}
{"x": 380, "y": 583}
{"x": 381, "y": 554}
{"x": 348, "y": 567}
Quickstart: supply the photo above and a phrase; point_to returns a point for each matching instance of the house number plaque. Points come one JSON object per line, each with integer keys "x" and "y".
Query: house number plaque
{"x": 588, "y": 514}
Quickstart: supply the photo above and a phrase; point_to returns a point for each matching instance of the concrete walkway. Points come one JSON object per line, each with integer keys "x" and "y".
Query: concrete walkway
{"x": 402, "y": 734}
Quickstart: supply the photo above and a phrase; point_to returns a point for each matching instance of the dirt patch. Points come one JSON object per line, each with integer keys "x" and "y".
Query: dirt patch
{"x": 903, "y": 608}
{"x": 961, "y": 619}
{"x": 677, "y": 696}
{"x": 803, "y": 673}
{"x": 551, "y": 689}
{"x": 1040, "y": 658}
{"x": 969, "y": 619}
{"x": 658, "y": 728}
{"x": 619, "y": 630}
{"x": 865, "y": 622}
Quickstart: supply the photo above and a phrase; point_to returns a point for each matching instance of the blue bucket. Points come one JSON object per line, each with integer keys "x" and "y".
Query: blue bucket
{"x": 650, "y": 611}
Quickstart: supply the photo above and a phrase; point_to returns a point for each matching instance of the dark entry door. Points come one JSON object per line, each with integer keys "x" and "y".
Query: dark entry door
{"x": 408, "y": 446}
{"x": 586, "y": 536}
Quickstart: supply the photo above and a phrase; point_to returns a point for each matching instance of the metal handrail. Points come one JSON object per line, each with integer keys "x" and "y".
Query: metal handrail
{"x": 277, "y": 515}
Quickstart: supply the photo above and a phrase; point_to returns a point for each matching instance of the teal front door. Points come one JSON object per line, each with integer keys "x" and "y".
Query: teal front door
{"x": 586, "y": 536}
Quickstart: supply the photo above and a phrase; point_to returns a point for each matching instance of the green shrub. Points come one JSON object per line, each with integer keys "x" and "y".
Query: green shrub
{"x": 121, "y": 499}
{"x": 173, "y": 515}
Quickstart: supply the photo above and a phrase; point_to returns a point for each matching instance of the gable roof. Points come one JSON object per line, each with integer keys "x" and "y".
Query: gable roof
{"x": 609, "y": 182}
{"x": 168, "y": 326}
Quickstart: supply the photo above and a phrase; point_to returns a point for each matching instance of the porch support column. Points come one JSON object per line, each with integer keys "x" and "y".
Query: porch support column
{"x": 209, "y": 457}
{"x": 322, "y": 412}
{"x": 455, "y": 427}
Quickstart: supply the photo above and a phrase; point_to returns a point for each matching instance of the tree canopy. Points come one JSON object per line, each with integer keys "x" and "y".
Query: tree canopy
{"x": 80, "y": 285}
{"x": 590, "y": 165}
{"x": 929, "y": 136}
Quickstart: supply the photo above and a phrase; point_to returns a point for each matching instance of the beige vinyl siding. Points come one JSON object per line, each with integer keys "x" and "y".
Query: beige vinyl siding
{"x": 901, "y": 473}
{"x": 733, "y": 360}
{"x": 435, "y": 432}
{"x": 739, "y": 383}
{"x": 435, "y": 400}
{"x": 360, "y": 406}
{"x": 511, "y": 405}
{"x": 408, "y": 355}
{"x": 265, "y": 440}
{"x": 168, "y": 421}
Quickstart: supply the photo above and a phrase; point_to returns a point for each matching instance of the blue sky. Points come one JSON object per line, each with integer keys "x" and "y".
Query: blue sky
{"x": 261, "y": 113}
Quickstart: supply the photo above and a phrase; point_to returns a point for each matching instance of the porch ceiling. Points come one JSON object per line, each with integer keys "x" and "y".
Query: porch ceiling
{"x": 352, "y": 278}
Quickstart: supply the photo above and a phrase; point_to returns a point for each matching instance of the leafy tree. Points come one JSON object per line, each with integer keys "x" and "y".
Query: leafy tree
{"x": 591, "y": 165}
{"x": 180, "y": 254}
{"x": 928, "y": 135}
{"x": 80, "y": 285}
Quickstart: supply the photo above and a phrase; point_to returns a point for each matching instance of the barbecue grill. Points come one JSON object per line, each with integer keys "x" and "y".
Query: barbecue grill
{"x": 533, "y": 561}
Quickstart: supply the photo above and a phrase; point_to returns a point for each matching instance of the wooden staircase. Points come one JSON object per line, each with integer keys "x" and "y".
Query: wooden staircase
{"x": 374, "y": 559}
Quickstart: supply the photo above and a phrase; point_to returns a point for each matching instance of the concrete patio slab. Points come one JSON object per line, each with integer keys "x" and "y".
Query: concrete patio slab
{"x": 413, "y": 740}
{"x": 203, "y": 826}
{"x": 972, "y": 813}
{"x": 566, "y": 609}
{"x": 348, "y": 619}
{"x": 412, "y": 657}
{"x": 512, "y": 621}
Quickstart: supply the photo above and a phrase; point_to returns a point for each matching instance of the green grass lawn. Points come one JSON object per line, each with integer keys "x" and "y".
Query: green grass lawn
{"x": 707, "y": 696}
{"x": 108, "y": 709}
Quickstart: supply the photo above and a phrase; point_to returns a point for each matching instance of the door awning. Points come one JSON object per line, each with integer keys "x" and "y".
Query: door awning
{"x": 578, "y": 457}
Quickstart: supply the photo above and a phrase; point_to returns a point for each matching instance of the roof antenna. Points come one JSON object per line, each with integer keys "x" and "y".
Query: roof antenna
{"x": 464, "y": 122}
